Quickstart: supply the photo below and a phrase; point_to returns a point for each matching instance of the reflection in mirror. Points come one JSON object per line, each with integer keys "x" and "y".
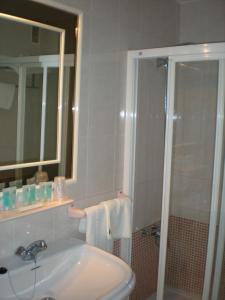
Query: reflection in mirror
{"x": 19, "y": 39}
{"x": 31, "y": 51}
{"x": 9, "y": 79}
{"x": 29, "y": 79}
{"x": 32, "y": 116}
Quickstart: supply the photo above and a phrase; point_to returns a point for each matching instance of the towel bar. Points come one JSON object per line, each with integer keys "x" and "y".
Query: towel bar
{"x": 74, "y": 212}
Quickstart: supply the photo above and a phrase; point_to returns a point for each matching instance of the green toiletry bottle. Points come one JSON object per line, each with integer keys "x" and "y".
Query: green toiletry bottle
{"x": 6, "y": 200}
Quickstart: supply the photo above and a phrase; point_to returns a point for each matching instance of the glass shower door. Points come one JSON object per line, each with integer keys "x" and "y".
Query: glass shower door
{"x": 149, "y": 151}
{"x": 194, "y": 138}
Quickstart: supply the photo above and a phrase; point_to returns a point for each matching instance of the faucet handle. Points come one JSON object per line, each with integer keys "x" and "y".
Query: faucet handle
{"x": 20, "y": 251}
{"x": 30, "y": 253}
{"x": 37, "y": 245}
{"x": 43, "y": 244}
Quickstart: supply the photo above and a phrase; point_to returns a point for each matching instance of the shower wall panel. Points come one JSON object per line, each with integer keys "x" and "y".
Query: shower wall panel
{"x": 149, "y": 144}
{"x": 194, "y": 134}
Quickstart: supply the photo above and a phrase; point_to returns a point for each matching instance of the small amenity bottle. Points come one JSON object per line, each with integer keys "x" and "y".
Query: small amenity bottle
{"x": 59, "y": 188}
{"x": 9, "y": 198}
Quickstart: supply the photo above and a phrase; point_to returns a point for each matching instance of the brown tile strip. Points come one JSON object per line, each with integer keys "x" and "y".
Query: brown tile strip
{"x": 186, "y": 257}
{"x": 186, "y": 254}
{"x": 116, "y": 248}
{"x": 145, "y": 265}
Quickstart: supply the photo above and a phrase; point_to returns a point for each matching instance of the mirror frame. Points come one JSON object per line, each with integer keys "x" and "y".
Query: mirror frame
{"x": 77, "y": 83}
{"x": 60, "y": 92}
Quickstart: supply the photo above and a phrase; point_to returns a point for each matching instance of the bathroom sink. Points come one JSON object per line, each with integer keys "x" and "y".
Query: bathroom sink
{"x": 68, "y": 270}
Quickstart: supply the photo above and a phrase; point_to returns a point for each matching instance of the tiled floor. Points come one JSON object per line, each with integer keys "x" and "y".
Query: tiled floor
{"x": 173, "y": 295}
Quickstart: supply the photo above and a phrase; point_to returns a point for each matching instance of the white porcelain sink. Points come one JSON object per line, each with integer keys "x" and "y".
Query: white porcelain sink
{"x": 70, "y": 270}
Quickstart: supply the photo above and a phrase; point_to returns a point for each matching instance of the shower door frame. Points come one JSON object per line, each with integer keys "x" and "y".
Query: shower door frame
{"x": 202, "y": 52}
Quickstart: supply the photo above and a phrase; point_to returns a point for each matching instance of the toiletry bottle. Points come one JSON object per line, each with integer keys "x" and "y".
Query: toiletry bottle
{"x": 12, "y": 195}
{"x": 32, "y": 192}
{"x": 42, "y": 192}
{"x": 1, "y": 204}
{"x": 6, "y": 199}
{"x": 48, "y": 188}
{"x": 59, "y": 188}
{"x": 19, "y": 200}
{"x": 26, "y": 199}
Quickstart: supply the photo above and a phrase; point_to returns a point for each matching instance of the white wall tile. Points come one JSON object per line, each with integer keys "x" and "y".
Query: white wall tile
{"x": 207, "y": 21}
{"x": 104, "y": 34}
{"x": 102, "y": 94}
{"x": 6, "y": 238}
{"x": 34, "y": 227}
{"x": 129, "y": 34}
{"x": 64, "y": 226}
{"x": 100, "y": 170}
{"x": 105, "y": 9}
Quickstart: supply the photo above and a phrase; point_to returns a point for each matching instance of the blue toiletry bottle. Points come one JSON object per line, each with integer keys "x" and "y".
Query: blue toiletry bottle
{"x": 6, "y": 200}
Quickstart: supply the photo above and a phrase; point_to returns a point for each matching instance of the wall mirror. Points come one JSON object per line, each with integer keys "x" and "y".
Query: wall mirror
{"x": 37, "y": 78}
{"x": 31, "y": 82}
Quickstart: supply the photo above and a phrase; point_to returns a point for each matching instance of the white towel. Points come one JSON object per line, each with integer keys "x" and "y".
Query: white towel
{"x": 95, "y": 227}
{"x": 7, "y": 93}
{"x": 118, "y": 213}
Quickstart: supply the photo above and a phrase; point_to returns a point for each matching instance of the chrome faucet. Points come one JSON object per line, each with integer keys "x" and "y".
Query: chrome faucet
{"x": 31, "y": 252}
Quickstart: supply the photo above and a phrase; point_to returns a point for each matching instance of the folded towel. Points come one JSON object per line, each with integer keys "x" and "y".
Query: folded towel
{"x": 95, "y": 227}
{"x": 118, "y": 214}
{"x": 7, "y": 92}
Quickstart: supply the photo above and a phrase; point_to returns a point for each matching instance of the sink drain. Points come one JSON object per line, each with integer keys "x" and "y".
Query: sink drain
{"x": 48, "y": 298}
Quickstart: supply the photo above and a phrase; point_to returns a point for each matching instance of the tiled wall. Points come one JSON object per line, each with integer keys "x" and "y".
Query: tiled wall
{"x": 144, "y": 263}
{"x": 111, "y": 27}
{"x": 145, "y": 256}
{"x": 116, "y": 248}
{"x": 207, "y": 21}
{"x": 50, "y": 225}
{"x": 186, "y": 255}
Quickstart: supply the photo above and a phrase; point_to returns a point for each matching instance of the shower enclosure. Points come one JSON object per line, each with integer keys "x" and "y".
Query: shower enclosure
{"x": 174, "y": 168}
